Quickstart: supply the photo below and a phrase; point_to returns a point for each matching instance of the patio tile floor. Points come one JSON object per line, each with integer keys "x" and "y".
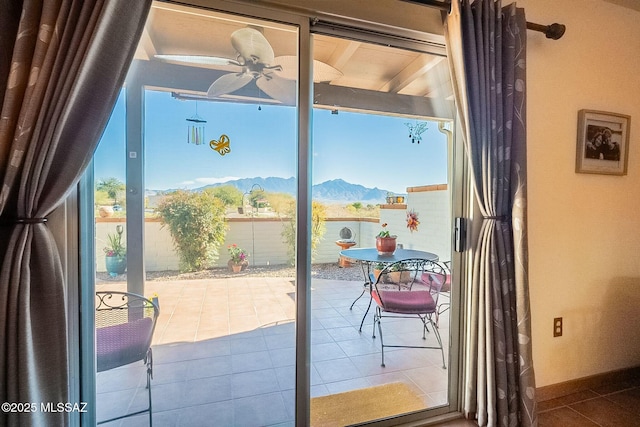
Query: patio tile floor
{"x": 224, "y": 353}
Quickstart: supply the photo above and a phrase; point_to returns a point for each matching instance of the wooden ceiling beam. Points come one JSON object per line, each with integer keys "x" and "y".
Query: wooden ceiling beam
{"x": 194, "y": 80}
{"x": 418, "y": 68}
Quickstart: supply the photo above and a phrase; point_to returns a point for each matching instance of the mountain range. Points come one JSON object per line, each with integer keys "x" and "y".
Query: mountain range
{"x": 336, "y": 190}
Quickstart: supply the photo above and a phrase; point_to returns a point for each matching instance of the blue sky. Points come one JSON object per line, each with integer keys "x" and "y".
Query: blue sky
{"x": 350, "y": 146}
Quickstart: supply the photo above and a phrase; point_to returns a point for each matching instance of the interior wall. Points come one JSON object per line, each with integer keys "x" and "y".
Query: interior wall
{"x": 584, "y": 230}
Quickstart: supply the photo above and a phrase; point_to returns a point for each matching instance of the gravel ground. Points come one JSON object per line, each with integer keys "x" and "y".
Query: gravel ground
{"x": 319, "y": 271}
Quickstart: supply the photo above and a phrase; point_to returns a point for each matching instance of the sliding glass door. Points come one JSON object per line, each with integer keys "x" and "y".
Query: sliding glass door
{"x": 235, "y": 169}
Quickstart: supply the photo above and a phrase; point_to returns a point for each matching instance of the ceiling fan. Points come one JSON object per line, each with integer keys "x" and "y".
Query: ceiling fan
{"x": 275, "y": 76}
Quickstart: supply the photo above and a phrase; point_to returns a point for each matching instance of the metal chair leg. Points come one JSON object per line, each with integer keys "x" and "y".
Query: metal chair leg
{"x": 437, "y": 333}
{"x": 379, "y": 317}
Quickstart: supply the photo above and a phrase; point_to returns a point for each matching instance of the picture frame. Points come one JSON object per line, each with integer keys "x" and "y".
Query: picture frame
{"x": 603, "y": 142}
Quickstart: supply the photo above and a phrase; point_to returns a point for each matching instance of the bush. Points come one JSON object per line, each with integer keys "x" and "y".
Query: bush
{"x": 197, "y": 225}
{"x": 229, "y": 194}
{"x": 280, "y": 202}
{"x": 318, "y": 228}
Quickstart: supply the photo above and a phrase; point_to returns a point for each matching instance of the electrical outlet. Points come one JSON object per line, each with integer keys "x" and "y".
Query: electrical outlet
{"x": 557, "y": 327}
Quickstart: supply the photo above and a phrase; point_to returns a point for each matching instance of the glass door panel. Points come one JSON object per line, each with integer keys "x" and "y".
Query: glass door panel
{"x": 381, "y": 163}
{"x": 211, "y": 152}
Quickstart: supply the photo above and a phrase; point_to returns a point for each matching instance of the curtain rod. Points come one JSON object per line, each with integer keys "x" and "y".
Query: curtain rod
{"x": 553, "y": 31}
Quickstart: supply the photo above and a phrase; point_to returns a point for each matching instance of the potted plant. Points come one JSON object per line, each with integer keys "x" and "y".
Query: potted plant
{"x": 377, "y": 269}
{"x": 115, "y": 253}
{"x": 399, "y": 273}
{"x": 390, "y": 198}
{"x": 238, "y": 260}
{"x": 385, "y": 242}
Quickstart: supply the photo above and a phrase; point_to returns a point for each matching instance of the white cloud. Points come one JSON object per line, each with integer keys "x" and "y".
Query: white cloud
{"x": 214, "y": 180}
{"x": 187, "y": 182}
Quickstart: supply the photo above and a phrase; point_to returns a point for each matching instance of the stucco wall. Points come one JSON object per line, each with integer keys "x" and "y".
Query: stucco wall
{"x": 263, "y": 240}
{"x": 584, "y": 230}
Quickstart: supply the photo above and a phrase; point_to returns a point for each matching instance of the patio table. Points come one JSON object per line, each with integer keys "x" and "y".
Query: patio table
{"x": 369, "y": 256}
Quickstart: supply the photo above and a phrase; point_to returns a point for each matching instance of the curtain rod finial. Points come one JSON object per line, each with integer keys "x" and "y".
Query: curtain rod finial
{"x": 555, "y": 31}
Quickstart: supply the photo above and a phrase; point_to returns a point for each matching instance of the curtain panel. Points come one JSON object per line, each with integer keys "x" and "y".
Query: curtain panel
{"x": 62, "y": 64}
{"x": 487, "y": 53}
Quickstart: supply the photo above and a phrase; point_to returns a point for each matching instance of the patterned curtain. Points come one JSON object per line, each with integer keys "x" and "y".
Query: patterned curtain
{"x": 487, "y": 53}
{"x": 62, "y": 64}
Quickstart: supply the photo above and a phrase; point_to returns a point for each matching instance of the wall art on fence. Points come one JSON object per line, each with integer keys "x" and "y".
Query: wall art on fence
{"x": 603, "y": 142}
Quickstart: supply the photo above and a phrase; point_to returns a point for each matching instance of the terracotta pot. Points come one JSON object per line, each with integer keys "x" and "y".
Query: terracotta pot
{"x": 236, "y": 268}
{"x": 386, "y": 246}
{"x": 243, "y": 265}
{"x": 399, "y": 276}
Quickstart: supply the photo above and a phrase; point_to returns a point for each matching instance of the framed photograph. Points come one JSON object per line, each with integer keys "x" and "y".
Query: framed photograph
{"x": 603, "y": 142}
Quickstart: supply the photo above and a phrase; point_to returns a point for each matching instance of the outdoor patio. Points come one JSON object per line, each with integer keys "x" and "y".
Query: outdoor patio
{"x": 224, "y": 353}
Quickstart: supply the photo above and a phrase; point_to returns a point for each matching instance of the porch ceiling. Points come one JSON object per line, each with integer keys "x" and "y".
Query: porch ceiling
{"x": 395, "y": 77}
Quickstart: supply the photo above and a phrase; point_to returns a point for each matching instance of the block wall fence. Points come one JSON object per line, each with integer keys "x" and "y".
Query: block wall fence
{"x": 262, "y": 237}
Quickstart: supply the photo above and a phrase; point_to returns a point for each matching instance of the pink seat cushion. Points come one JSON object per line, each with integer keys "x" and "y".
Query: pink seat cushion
{"x": 122, "y": 344}
{"x": 405, "y": 302}
{"x": 427, "y": 278}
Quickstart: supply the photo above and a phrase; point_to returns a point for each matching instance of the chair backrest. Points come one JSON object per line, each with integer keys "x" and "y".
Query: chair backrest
{"x": 438, "y": 272}
{"x": 402, "y": 274}
{"x": 125, "y": 323}
{"x": 400, "y": 287}
{"x": 446, "y": 266}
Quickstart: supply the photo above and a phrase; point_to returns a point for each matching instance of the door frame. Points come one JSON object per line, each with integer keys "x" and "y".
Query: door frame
{"x": 135, "y": 198}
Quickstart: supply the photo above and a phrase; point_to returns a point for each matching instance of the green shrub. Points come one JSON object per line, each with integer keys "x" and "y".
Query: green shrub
{"x": 197, "y": 225}
{"x": 229, "y": 194}
{"x": 318, "y": 228}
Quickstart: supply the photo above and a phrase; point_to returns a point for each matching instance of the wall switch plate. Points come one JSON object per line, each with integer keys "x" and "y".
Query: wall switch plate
{"x": 557, "y": 327}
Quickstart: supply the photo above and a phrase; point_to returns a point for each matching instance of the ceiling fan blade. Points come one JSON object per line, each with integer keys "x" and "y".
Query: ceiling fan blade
{"x": 228, "y": 83}
{"x": 198, "y": 59}
{"x": 252, "y": 46}
{"x": 322, "y": 72}
{"x": 278, "y": 88}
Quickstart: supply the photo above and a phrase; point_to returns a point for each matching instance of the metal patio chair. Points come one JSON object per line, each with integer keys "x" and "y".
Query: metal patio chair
{"x": 124, "y": 329}
{"x": 409, "y": 289}
{"x": 445, "y": 292}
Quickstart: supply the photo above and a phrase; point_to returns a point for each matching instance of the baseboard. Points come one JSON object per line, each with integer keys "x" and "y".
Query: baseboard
{"x": 554, "y": 391}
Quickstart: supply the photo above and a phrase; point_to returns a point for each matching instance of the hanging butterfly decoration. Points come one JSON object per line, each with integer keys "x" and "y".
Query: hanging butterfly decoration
{"x": 415, "y": 131}
{"x": 223, "y": 146}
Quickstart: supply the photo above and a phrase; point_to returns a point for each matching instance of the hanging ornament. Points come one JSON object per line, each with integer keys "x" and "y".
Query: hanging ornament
{"x": 415, "y": 131}
{"x": 223, "y": 146}
{"x": 195, "y": 129}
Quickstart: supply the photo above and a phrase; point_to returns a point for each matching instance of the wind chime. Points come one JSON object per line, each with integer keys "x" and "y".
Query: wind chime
{"x": 195, "y": 129}
{"x": 415, "y": 131}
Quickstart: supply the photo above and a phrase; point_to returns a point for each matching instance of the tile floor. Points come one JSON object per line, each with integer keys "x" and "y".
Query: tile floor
{"x": 612, "y": 405}
{"x": 616, "y": 404}
{"x": 224, "y": 353}
{"x": 224, "y": 356}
